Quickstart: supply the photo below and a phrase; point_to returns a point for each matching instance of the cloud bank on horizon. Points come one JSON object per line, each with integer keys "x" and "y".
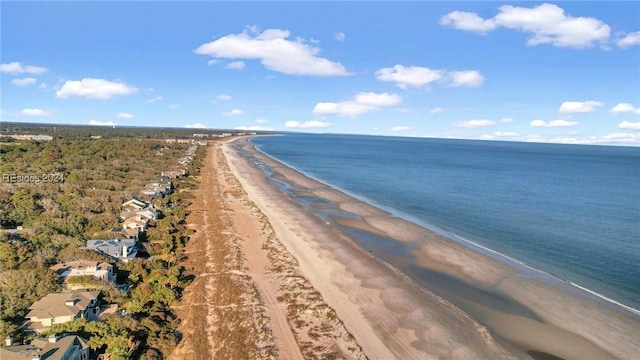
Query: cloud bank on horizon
{"x": 546, "y": 72}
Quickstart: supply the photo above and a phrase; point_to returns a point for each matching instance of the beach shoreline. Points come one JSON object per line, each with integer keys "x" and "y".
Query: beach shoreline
{"x": 564, "y": 324}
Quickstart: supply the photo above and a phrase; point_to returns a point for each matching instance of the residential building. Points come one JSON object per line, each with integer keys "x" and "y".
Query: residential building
{"x": 120, "y": 233}
{"x": 120, "y": 249}
{"x": 100, "y": 271}
{"x": 135, "y": 204}
{"x": 67, "y": 347}
{"x": 135, "y": 222}
{"x": 150, "y": 213}
{"x": 59, "y": 308}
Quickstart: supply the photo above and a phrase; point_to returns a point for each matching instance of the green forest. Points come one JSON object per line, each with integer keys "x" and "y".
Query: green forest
{"x": 93, "y": 177}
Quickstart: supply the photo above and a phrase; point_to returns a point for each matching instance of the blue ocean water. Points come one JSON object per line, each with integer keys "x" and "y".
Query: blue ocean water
{"x": 569, "y": 210}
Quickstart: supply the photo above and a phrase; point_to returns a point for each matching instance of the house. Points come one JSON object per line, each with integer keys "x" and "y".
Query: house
{"x": 157, "y": 188}
{"x": 66, "y": 347}
{"x": 135, "y": 222}
{"x": 100, "y": 271}
{"x": 135, "y": 204}
{"x": 174, "y": 174}
{"x": 161, "y": 184}
{"x": 123, "y": 250}
{"x": 59, "y": 308}
{"x": 152, "y": 194}
{"x": 150, "y": 213}
{"x": 120, "y": 233}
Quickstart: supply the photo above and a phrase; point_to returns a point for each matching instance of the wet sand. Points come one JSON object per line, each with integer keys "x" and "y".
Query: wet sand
{"x": 499, "y": 311}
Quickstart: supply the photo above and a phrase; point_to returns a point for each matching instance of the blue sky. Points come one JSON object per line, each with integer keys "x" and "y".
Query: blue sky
{"x": 565, "y": 72}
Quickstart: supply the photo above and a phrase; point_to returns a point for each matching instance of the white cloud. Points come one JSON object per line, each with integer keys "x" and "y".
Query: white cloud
{"x": 124, "y": 115}
{"x": 475, "y": 123}
{"x": 467, "y": 21}
{"x": 23, "y": 82}
{"x": 400, "y": 128}
{"x": 624, "y": 108}
{"x": 628, "y": 125}
{"x": 378, "y": 100}
{"x": 96, "y": 89}
{"x": 507, "y": 120}
{"x": 346, "y": 108}
{"x": 15, "y": 68}
{"x": 631, "y": 39}
{"x": 195, "y": 126}
{"x": 213, "y": 62}
{"x": 579, "y": 106}
{"x": 468, "y": 78}
{"x": 236, "y": 65}
{"x": 505, "y": 134}
{"x": 101, "y": 123}
{"x": 546, "y": 24}
{"x": 223, "y": 97}
{"x": 275, "y": 51}
{"x": 614, "y": 139}
{"x": 262, "y": 121}
{"x": 173, "y": 106}
{"x": 42, "y": 86}
{"x": 362, "y": 103}
{"x": 35, "y": 112}
{"x": 553, "y": 123}
{"x": 409, "y": 76}
{"x": 253, "y": 128}
{"x": 436, "y": 110}
{"x": 233, "y": 112}
{"x": 155, "y": 99}
{"x": 340, "y": 36}
{"x": 510, "y": 135}
{"x": 417, "y": 76}
{"x": 311, "y": 124}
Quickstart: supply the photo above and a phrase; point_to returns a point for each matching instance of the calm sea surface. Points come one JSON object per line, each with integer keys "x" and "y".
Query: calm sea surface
{"x": 569, "y": 210}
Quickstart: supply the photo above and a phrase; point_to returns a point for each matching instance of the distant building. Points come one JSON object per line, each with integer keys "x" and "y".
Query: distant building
{"x": 150, "y": 213}
{"x": 135, "y": 223}
{"x": 120, "y": 233}
{"x": 135, "y": 204}
{"x": 120, "y": 249}
{"x": 67, "y": 347}
{"x": 32, "y": 137}
{"x": 60, "y": 308}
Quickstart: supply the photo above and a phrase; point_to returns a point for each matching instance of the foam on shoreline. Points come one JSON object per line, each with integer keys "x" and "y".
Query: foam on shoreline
{"x": 469, "y": 260}
{"x": 520, "y": 265}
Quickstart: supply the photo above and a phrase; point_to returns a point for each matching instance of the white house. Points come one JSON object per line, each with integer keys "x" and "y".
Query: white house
{"x": 101, "y": 271}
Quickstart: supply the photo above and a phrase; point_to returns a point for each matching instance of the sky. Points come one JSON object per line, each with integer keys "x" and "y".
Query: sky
{"x": 562, "y": 72}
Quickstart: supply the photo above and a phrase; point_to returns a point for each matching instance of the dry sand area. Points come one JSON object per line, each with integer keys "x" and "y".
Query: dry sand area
{"x": 248, "y": 299}
{"x": 274, "y": 280}
{"x": 388, "y": 315}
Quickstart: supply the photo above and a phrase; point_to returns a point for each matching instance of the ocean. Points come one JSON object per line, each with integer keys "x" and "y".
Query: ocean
{"x": 572, "y": 211}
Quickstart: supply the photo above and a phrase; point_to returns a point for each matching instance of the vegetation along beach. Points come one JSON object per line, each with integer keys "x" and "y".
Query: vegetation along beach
{"x": 319, "y": 180}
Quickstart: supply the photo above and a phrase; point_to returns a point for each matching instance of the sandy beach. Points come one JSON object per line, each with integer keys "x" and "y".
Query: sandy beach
{"x": 278, "y": 281}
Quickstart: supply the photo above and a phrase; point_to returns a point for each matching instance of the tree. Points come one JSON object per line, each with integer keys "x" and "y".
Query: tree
{"x": 21, "y": 288}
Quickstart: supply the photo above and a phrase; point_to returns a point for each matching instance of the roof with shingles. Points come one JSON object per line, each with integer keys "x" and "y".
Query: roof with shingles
{"x": 54, "y": 304}
{"x": 47, "y": 350}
